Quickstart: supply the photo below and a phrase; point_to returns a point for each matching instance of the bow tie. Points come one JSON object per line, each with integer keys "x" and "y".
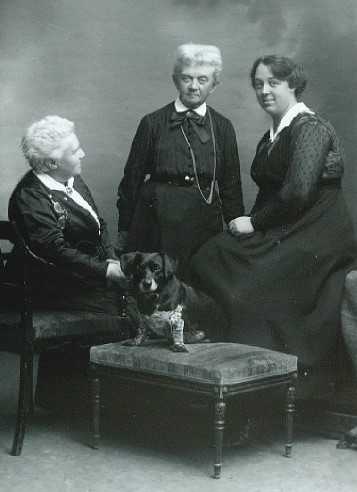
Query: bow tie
{"x": 197, "y": 121}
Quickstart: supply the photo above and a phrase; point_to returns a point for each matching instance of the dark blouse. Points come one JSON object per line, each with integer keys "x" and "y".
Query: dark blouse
{"x": 57, "y": 229}
{"x": 159, "y": 149}
{"x": 290, "y": 171}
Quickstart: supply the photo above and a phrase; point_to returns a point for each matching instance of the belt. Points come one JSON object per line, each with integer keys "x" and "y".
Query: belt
{"x": 186, "y": 180}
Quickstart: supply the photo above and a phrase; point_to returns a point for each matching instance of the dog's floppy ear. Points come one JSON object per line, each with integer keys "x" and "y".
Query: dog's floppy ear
{"x": 128, "y": 261}
{"x": 169, "y": 265}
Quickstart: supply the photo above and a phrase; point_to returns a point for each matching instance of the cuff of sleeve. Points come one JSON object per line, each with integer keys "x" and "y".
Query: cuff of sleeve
{"x": 121, "y": 240}
{"x": 256, "y": 223}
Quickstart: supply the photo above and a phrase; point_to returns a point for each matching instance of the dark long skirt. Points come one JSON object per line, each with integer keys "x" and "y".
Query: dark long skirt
{"x": 63, "y": 374}
{"x": 282, "y": 289}
{"x": 174, "y": 220}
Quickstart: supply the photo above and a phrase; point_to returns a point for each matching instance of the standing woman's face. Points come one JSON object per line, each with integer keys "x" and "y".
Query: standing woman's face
{"x": 274, "y": 95}
{"x": 195, "y": 83}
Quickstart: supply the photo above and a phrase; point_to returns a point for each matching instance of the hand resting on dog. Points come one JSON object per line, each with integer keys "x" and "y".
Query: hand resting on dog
{"x": 114, "y": 271}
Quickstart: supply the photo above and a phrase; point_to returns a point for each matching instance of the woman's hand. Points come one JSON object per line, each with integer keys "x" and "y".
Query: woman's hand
{"x": 114, "y": 271}
{"x": 240, "y": 225}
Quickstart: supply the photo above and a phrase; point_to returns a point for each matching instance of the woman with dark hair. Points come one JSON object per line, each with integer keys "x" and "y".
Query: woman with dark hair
{"x": 279, "y": 272}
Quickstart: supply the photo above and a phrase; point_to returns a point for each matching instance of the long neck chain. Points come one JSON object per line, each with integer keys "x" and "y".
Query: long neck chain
{"x": 208, "y": 200}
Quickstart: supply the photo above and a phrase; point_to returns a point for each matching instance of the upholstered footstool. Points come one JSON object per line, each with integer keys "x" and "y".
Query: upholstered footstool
{"x": 217, "y": 370}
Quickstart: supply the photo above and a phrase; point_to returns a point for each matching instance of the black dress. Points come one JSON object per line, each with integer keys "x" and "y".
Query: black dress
{"x": 281, "y": 286}
{"x": 62, "y": 232}
{"x": 163, "y": 213}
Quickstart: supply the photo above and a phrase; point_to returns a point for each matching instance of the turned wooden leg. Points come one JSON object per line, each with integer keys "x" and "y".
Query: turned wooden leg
{"x": 219, "y": 412}
{"x": 95, "y": 387}
{"x": 289, "y": 410}
{"x": 24, "y": 401}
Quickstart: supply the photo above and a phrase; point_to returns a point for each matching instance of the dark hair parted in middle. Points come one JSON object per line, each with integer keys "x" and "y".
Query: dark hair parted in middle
{"x": 283, "y": 69}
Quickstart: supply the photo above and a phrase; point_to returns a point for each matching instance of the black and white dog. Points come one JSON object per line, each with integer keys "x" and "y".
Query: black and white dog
{"x": 160, "y": 299}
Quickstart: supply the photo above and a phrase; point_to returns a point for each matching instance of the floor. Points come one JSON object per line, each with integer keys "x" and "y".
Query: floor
{"x": 160, "y": 451}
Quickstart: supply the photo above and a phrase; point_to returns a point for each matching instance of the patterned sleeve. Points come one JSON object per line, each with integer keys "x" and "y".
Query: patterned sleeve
{"x": 230, "y": 186}
{"x": 309, "y": 146}
{"x": 134, "y": 173}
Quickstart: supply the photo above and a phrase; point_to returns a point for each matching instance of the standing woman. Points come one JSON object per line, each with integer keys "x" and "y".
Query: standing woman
{"x": 168, "y": 199}
{"x": 279, "y": 272}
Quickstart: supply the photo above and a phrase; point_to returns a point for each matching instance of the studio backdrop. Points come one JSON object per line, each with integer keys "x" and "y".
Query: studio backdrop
{"x": 105, "y": 63}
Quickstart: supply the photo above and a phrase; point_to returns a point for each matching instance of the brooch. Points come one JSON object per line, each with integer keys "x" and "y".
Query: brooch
{"x": 62, "y": 213}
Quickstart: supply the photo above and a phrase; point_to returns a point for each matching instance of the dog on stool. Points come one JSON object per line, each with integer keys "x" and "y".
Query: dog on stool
{"x": 160, "y": 299}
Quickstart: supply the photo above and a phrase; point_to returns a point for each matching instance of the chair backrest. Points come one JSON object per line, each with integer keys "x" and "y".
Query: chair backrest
{"x": 16, "y": 274}
{"x": 25, "y": 251}
{"x": 7, "y": 239}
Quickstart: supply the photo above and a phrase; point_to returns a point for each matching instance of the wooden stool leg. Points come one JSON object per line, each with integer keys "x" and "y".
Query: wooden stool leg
{"x": 95, "y": 387}
{"x": 24, "y": 401}
{"x": 219, "y": 413}
{"x": 290, "y": 410}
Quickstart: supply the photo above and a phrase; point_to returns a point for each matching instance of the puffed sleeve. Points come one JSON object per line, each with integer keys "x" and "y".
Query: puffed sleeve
{"x": 32, "y": 211}
{"x": 309, "y": 146}
{"x": 230, "y": 185}
{"x": 134, "y": 173}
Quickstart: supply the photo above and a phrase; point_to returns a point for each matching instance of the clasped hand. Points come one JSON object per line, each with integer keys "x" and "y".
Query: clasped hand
{"x": 240, "y": 225}
{"x": 114, "y": 271}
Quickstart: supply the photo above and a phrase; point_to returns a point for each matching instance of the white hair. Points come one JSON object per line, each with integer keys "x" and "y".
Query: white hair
{"x": 46, "y": 140}
{"x": 198, "y": 54}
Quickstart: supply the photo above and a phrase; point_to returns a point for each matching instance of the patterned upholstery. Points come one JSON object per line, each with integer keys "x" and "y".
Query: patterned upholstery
{"x": 212, "y": 363}
{"x": 26, "y": 331}
{"x": 60, "y": 324}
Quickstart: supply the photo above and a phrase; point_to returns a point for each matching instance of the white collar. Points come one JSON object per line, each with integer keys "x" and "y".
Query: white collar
{"x": 179, "y": 106}
{"x": 68, "y": 189}
{"x": 288, "y": 118}
{"x": 53, "y": 184}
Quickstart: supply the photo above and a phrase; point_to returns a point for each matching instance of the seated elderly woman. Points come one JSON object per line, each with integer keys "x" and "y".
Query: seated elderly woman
{"x": 56, "y": 214}
{"x": 59, "y": 220}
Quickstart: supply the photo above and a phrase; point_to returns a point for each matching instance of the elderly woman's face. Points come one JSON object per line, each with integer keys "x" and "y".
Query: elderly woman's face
{"x": 274, "y": 95}
{"x": 195, "y": 83}
{"x": 70, "y": 164}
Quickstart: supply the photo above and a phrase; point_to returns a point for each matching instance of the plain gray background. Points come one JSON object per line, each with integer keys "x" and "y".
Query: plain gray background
{"x": 105, "y": 63}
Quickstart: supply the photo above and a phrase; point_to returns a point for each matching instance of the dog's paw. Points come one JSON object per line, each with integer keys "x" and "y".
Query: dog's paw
{"x": 134, "y": 342}
{"x": 178, "y": 347}
{"x": 197, "y": 336}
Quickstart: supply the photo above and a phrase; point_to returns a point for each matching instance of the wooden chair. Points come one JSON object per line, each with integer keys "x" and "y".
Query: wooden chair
{"x": 26, "y": 331}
